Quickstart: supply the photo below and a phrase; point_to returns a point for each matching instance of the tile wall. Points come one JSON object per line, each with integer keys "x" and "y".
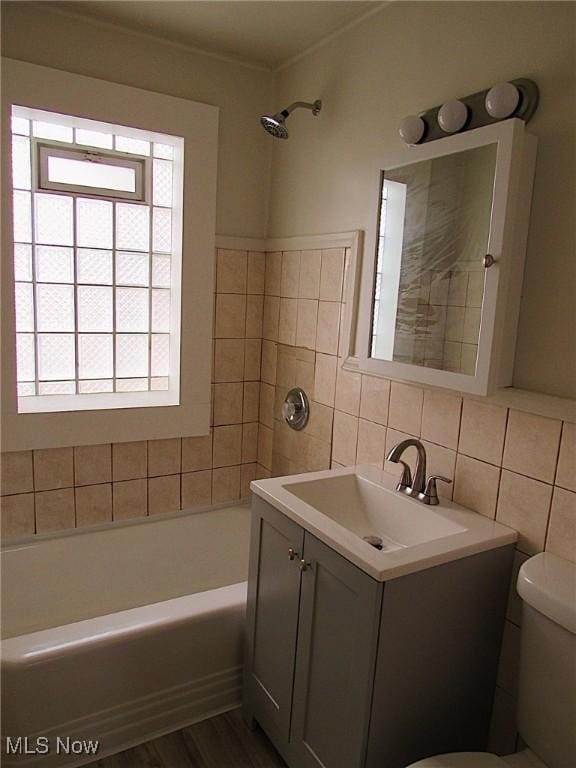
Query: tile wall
{"x": 62, "y": 488}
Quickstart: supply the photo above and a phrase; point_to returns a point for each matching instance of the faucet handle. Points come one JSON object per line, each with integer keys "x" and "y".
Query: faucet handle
{"x": 430, "y": 495}
{"x": 406, "y": 478}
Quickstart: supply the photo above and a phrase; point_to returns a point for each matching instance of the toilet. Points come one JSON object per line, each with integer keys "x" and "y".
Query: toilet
{"x": 547, "y": 689}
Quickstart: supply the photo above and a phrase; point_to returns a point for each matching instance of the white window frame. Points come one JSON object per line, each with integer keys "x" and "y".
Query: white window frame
{"x": 43, "y": 150}
{"x": 54, "y": 91}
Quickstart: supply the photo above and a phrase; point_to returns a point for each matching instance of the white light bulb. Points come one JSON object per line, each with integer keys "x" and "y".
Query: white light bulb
{"x": 412, "y": 129}
{"x": 502, "y": 100}
{"x": 452, "y": 116}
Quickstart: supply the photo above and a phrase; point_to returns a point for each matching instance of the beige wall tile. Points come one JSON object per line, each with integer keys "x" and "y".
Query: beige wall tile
{"x": 325, "y": 379}
{"x": 566, "y": 471}
{"x": 441, "y": 461}
{"x": 228, "y": 360}
{"x": 252, "y": 359}
{"x": 55, "y": 510}
{"x": 286, "y": 367}
{"x": 332, "y": 274}
{"x": 196, "y": 489}
{"x": 374, "y": 399}
{"x": 228, "y": 403}
{"x": 249, "y": 443}
{"x": 129, "y": 460}
{"x": 231, "y": 271}
{"x": 265, "y": 440}
{"x": 441, "y": 418}
{"x": 269, "y": 358}
{"x": 17, "y": 515}
{"x": 305, "y": 372}
{"x": 317, "y": 455}
{"x": 92, "y": 464}
{"x": 164, "y": 456}
{"x": 227, "y": 447}
{"x": 524, "y": 504}
{"x": 273, "y": 273}
{"x": 310, "y": 265}
{"x": 561, "y": 538}
{"x": 196, "y": 453}
{"x": 254, "y": 316}
{"x": 371, "y": 443}
{"x": 271, "y": 318}
{"x": 93, "y": 505}
{"x": 476, "y": 485}
{"x": 129, "y": 499}
{"x": 266, "y": 414}
{"x": 290, "y": 274}
{"x": 16, "y": 474}
{"x": 348, "y": 386}
{"x": 327, "y": 333}
{"x": 287, "y": 321}
{"x": 531, "y": 445}
{"x": 248, "y": 473}
{"x": 345, "y": 438}
{"x": 251, "y": 404}
{"x": 230, "y": 316}
{"x": 225, "y": 484}
{"x": 307, "y": 323}
{"x": 405, "y": 413}
{"x": 53, "y": 468}
{"x": 482, "y": 431}
{"x": 163, "y": 494}
{"x": 256, "y": 272}
{"x": 320, "y": 422}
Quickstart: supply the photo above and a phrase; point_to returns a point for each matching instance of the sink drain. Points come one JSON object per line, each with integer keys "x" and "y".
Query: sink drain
{"x": 374, "y": 541}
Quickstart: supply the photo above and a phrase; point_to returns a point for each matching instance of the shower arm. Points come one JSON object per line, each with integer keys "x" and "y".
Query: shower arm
{"x": 315, "y": 107}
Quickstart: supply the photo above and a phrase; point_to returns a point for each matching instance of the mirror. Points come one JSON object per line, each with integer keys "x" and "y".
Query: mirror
{"x": 433, "y": 231}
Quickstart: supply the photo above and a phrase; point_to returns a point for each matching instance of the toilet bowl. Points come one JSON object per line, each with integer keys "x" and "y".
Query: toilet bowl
{"x": 546, "y": 696}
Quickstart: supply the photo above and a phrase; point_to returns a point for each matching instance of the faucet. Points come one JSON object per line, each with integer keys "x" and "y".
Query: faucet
{"x": 420, "y": 488}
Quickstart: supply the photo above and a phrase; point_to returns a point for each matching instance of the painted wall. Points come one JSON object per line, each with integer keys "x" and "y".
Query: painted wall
{"x": 32, "y": 32}
{"x": 412, "y": 56}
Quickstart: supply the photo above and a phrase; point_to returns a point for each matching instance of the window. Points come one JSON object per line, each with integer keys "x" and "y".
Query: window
{"x": 97, "y": 263}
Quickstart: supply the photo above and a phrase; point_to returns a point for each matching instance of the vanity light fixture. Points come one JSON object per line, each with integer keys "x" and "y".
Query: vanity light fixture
{"x": 452, "y": 116}
{"x": 502, "y": 100}
{"x": 412, "y": 129}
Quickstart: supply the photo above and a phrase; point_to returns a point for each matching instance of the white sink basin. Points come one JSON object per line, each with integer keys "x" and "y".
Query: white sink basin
{"x": 343, "y": 506}
{"x": 369, "y": 509}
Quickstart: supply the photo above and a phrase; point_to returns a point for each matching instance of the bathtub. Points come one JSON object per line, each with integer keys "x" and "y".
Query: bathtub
{"x": 118, "y": 635}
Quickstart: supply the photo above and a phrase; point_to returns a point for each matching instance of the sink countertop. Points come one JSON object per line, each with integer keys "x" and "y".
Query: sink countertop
{"x": 475, "y": 533}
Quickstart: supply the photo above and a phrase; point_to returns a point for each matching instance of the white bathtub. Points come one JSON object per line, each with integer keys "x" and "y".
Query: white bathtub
{"x": 122, "y": 634}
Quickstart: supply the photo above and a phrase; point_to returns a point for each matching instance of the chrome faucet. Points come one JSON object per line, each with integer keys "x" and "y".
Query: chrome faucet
{"x": 420, "y": 488}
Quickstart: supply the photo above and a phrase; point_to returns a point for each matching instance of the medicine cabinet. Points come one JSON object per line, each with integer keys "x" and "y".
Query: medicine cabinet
{"x": 438, "y": 294}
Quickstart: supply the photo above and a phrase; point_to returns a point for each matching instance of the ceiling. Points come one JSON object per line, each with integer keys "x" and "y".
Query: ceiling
{"x": 266, "y": 34}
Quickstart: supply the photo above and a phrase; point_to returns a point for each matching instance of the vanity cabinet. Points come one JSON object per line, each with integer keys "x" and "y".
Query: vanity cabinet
{"x": 343, "y": 671}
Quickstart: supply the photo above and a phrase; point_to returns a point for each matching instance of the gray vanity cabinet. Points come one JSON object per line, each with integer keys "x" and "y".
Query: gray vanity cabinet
{"x": 343, "y": 671}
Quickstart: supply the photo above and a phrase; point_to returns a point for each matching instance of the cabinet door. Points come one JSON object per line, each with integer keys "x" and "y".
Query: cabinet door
{"x": 272, "y": 618}
{"x": 337, "y": 637}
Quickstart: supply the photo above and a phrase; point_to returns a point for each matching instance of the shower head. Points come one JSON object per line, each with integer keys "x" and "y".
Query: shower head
{"x": 276, "y": 124}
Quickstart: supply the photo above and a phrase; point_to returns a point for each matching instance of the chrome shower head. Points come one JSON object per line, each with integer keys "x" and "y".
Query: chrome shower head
{"x": 276, "y": 124}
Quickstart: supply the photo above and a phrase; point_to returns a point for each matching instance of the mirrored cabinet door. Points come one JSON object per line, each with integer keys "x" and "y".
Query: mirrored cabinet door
{"x": 429, "y": 280}
{"x": 439, "y": 295}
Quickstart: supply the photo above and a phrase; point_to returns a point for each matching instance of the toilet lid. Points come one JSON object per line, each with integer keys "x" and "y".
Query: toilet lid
{"x": 461, "y": 760}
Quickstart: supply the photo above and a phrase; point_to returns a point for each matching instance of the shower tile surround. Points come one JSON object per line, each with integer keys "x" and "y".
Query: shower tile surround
{"x": 277, "y": 325}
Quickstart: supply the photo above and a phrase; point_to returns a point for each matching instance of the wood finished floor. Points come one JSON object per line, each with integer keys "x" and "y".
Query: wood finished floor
{"x": 221, "y": 742}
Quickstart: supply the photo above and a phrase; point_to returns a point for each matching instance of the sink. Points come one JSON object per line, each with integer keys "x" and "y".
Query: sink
{"x": 352, "y": 509}
{"x": 369, "y": 509}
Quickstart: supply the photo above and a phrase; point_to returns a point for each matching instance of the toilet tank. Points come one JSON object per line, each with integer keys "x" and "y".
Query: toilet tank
{"x": 547, "y": 691}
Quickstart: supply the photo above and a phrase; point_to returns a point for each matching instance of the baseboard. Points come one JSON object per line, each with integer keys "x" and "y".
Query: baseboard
{"x": 137, "y": 721}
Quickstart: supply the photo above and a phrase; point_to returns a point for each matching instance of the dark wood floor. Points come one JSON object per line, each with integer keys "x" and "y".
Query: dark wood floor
{"x": 221, "y": 742}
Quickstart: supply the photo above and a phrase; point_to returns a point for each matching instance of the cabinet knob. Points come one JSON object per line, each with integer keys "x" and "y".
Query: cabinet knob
{"x": 488, "y": 260}
{"x": 304, "y": 565}
{"x": 292, "y": 553}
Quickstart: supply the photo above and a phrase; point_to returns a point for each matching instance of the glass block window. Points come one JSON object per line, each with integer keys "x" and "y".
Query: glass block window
{"x": 97, "y": 212}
